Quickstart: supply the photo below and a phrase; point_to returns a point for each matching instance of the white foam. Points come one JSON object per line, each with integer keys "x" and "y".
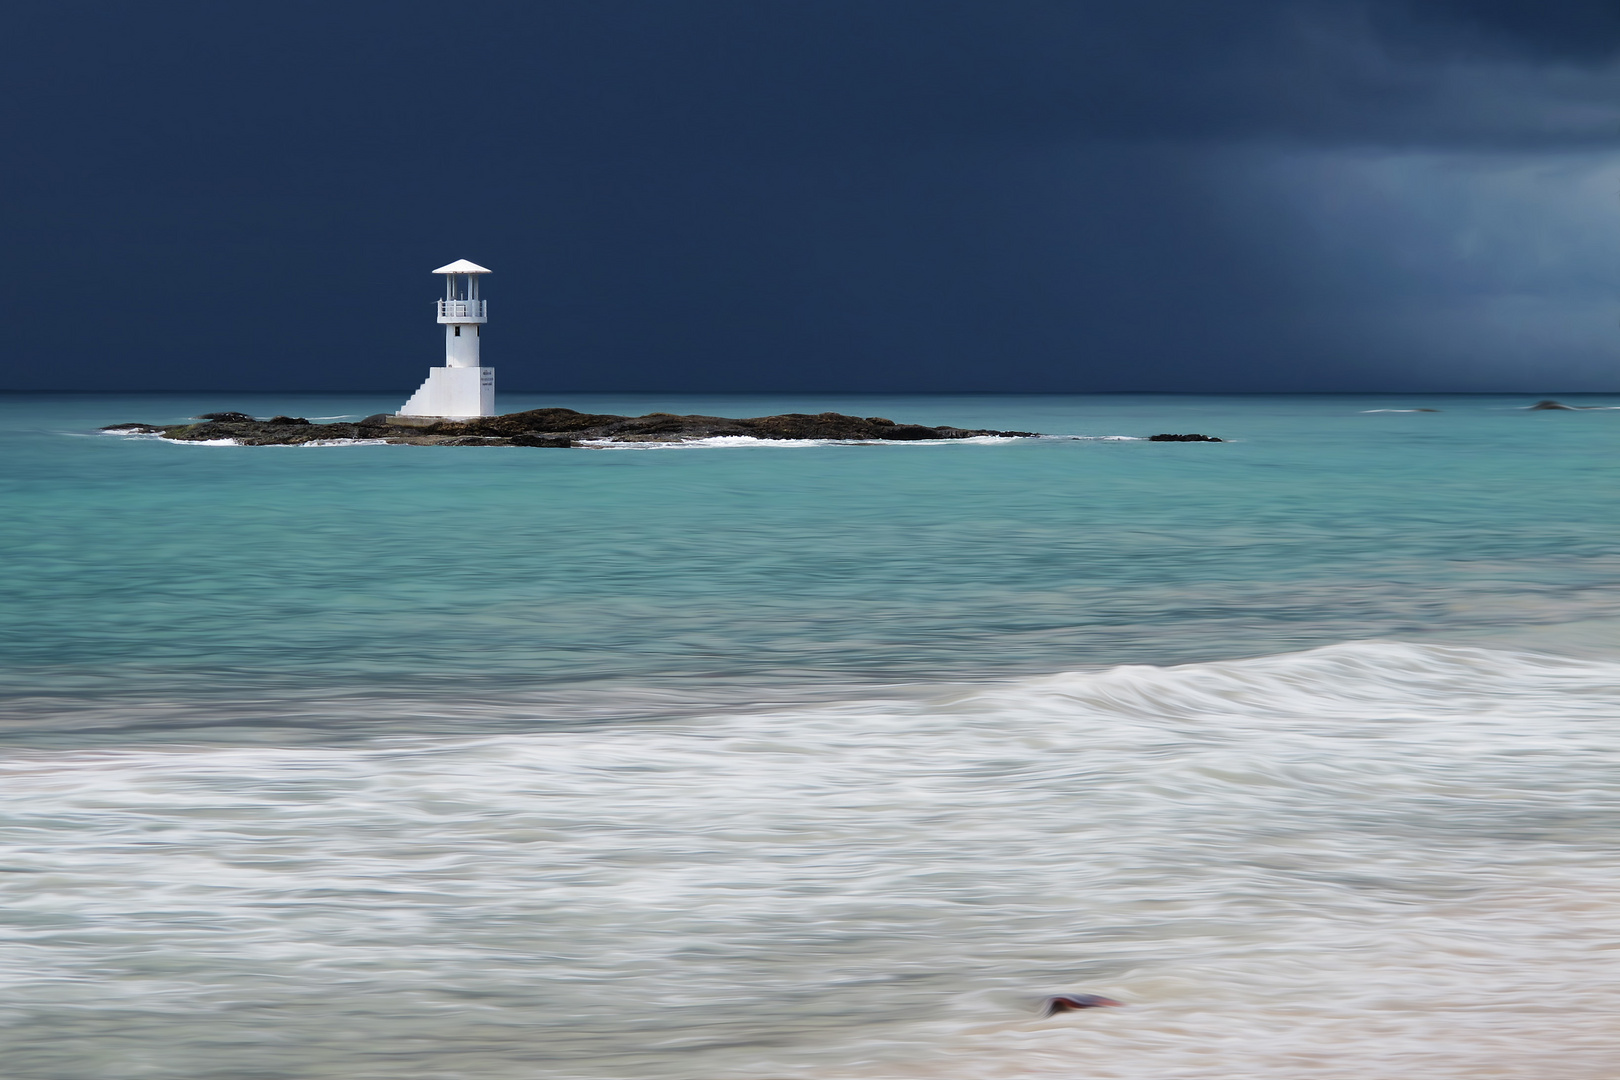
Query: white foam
{"x": 742, "y": 441}
{"x": 267, "y": 446}
{"x": 122, "y": 433}
{"x": 344, "y": 442}
{"x": 1367, "y": 860}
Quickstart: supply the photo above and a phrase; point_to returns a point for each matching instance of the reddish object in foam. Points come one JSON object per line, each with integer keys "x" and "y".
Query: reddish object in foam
{"x": 1070, "y": 1002}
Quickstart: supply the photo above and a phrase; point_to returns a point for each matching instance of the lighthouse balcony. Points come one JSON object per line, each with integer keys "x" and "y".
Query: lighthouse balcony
{"x": 463, "y": 311}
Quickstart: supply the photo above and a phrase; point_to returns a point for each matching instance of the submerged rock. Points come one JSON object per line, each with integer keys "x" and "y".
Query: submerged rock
{"x": 1184, "y": 438}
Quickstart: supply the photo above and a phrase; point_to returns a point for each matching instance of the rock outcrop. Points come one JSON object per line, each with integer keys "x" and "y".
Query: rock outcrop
{"x": 1568, "y": 408}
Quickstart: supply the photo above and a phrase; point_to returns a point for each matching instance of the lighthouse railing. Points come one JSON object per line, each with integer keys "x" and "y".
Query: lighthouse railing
{"x": 464, "y": 309}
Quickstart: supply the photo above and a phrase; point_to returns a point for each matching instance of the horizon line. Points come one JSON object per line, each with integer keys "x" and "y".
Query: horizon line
{"x": 859, "y": 393}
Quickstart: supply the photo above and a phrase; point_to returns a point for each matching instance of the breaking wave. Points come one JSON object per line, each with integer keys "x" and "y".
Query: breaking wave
{"x": 1370, "y": 859}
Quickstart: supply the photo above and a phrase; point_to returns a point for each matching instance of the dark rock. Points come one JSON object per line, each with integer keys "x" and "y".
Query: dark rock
{"x": 143, "y": 429}
{"x": 1555, "y": 405}
{"x": 1184, "y": 438}
{"x": 668, "y": 427}
{"x": 883, "y": 420}
{"x": 234, "y": 417}
{"x": 554, "y": 441}
{"x": 286, "y": 420}
{"x": 1425, "y": 410}
{"x": 375, "y": 420}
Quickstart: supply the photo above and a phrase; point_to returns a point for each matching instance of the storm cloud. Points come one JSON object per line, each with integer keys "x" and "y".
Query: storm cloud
{"x": 818, "y": 194}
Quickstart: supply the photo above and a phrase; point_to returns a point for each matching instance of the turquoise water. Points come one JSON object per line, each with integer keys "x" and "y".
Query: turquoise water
{"x": 758, "y": 761}
{"x": 141, "y": 565}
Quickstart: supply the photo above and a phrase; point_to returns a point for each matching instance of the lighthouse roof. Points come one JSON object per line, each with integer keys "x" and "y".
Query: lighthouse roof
{"x": 462, "y": 266}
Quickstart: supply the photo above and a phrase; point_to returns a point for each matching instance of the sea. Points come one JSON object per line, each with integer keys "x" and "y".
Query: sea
{"x": 815, "y": 761}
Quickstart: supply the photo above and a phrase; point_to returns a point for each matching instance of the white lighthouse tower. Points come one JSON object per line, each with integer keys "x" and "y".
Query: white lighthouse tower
{"x": 461, "y": 389}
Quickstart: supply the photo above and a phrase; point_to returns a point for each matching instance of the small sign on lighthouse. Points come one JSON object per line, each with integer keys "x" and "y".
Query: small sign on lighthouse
{"x": 462, "y": 388}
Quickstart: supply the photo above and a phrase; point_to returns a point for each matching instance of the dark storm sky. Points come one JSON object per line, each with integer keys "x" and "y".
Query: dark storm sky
{"x": 857, "y": 195}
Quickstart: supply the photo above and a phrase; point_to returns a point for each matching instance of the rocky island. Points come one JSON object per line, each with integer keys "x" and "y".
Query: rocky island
{"x": 547, "y": 428}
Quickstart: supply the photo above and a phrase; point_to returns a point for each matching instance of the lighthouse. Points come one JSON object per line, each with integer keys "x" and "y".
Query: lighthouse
{"x": 462, "y": 388}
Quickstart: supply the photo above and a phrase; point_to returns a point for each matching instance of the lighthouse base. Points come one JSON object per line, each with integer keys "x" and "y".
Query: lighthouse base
{"x": 455, "y": 393}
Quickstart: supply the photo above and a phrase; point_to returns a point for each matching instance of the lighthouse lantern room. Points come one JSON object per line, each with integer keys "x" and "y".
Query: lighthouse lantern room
{"x": 462, "y": 388}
